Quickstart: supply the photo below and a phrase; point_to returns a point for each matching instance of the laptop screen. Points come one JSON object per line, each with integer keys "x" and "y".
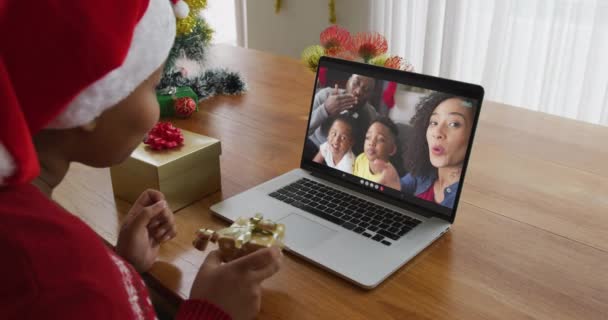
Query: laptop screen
{"x": 403, "y": 135}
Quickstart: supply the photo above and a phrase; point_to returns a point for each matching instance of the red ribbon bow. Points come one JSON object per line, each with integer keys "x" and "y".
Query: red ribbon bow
{"x": 164, "y": 136}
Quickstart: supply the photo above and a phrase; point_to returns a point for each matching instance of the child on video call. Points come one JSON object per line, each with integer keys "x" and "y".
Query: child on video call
{"x": 379, "y": 149}
{"x": 337, "y": 152}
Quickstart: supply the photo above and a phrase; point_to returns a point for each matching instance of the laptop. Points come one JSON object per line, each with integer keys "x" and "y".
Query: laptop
{"x": 367, "y": 198}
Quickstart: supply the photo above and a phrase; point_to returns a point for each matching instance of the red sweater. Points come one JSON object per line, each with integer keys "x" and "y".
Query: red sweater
{"x": 54, "y": 266}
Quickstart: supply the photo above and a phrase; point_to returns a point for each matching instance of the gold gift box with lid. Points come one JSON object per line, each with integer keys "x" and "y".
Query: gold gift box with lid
{"x": 184, "y": 174}
{"x": 244, "y": 236}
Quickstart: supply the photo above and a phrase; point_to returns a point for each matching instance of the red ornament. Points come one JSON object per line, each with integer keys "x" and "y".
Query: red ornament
{"x": 184, "y": 107}
{"x": 164, "y": 136}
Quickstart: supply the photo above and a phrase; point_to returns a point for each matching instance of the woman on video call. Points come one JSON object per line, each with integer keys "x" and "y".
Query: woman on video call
{"x": 437, "y": 148}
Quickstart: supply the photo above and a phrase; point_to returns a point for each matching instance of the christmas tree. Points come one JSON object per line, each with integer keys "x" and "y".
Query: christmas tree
{"x": 185, "y": 64}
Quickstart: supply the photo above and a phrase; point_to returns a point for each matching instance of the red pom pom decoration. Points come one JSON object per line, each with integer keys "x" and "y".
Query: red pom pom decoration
{"x": 184, "y": 107}
{"x": 164, "y": 136}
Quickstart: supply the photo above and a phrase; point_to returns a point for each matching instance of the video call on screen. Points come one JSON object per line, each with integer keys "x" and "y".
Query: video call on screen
{"x": 392, "y": 137}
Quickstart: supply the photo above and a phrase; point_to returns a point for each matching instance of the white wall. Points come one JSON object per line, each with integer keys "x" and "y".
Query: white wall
{"x": 299, "y": 23}
{"x": 220, "y": 14}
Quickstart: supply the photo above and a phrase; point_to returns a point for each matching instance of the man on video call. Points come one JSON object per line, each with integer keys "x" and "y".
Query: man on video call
{"x": 331, "y": 102}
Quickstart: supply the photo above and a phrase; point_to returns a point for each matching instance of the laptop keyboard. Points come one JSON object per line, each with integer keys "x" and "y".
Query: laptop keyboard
{"x": 360, "y": 216}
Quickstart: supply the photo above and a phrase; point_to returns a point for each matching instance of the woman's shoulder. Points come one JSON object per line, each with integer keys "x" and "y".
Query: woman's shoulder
{"x": 413, "y": 184}
{"x": 408, "y": 178}
{"x": 46, "y": 235}
{"x": 416, "y": 178}
{"x": 26, "y": 203}
{"x": 51, "y": 251}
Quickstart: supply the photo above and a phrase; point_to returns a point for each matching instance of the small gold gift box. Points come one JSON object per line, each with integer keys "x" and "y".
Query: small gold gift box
{"x": 184, "y": 174}
{"x": 242, "y": 237}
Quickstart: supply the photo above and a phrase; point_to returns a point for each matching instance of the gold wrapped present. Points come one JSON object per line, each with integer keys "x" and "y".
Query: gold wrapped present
{"x": 184, "y": 174}
{"x": 242, "y": 237}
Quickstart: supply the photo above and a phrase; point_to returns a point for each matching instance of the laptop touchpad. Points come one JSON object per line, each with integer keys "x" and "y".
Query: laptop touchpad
{"x": 302, "y": 233}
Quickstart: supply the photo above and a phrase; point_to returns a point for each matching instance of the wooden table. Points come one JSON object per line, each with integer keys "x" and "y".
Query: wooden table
{"x": 530, "y": 238}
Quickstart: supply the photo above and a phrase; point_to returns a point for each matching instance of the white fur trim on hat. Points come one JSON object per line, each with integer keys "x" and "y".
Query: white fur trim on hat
{"x": 152, "y": 39}
{"x": 7, "y": 165}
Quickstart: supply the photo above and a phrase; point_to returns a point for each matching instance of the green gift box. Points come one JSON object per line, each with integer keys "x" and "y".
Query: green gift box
{"x": 167, "y": 96}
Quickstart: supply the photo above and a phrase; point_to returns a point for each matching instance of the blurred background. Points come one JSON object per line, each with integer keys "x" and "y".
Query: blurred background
{"x": 549, "y": 56}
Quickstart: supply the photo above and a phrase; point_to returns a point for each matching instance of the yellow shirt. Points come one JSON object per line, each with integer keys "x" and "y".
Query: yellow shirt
{"x": 362, "y": 169}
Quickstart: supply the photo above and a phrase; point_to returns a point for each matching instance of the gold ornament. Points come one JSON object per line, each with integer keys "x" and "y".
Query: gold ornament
{"x": 186, "y": 25}
{"x": 196, "y": 5}
{"x": 332, "y": 12}
{"x": 331, "y": 4}
{"x": 277, "y": 6}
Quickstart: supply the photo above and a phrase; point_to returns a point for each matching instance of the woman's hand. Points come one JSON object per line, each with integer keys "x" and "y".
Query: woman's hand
{"x": 149, "y": 223}
{"x": 390, "y": 177}
{"x": 236, "y": 286}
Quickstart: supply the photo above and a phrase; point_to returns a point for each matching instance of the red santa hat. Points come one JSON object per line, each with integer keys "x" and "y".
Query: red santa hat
{"x": 62, "y": 63}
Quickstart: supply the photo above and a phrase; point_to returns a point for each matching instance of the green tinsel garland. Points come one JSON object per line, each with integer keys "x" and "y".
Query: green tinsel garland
{"x": 212, "y": 82}
{"x": 192, "y": 45}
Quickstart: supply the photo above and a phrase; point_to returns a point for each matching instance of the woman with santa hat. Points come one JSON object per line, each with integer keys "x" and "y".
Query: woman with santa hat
{"x": 77, "y": 84}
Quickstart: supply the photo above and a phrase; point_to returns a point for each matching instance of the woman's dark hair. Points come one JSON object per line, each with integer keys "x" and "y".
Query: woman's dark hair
{"x": 417, "y": 159}
{"x": 396, "y": 159}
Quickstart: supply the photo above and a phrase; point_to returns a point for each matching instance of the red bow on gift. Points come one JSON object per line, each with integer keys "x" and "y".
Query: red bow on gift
{"x": 164, "y": 136}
